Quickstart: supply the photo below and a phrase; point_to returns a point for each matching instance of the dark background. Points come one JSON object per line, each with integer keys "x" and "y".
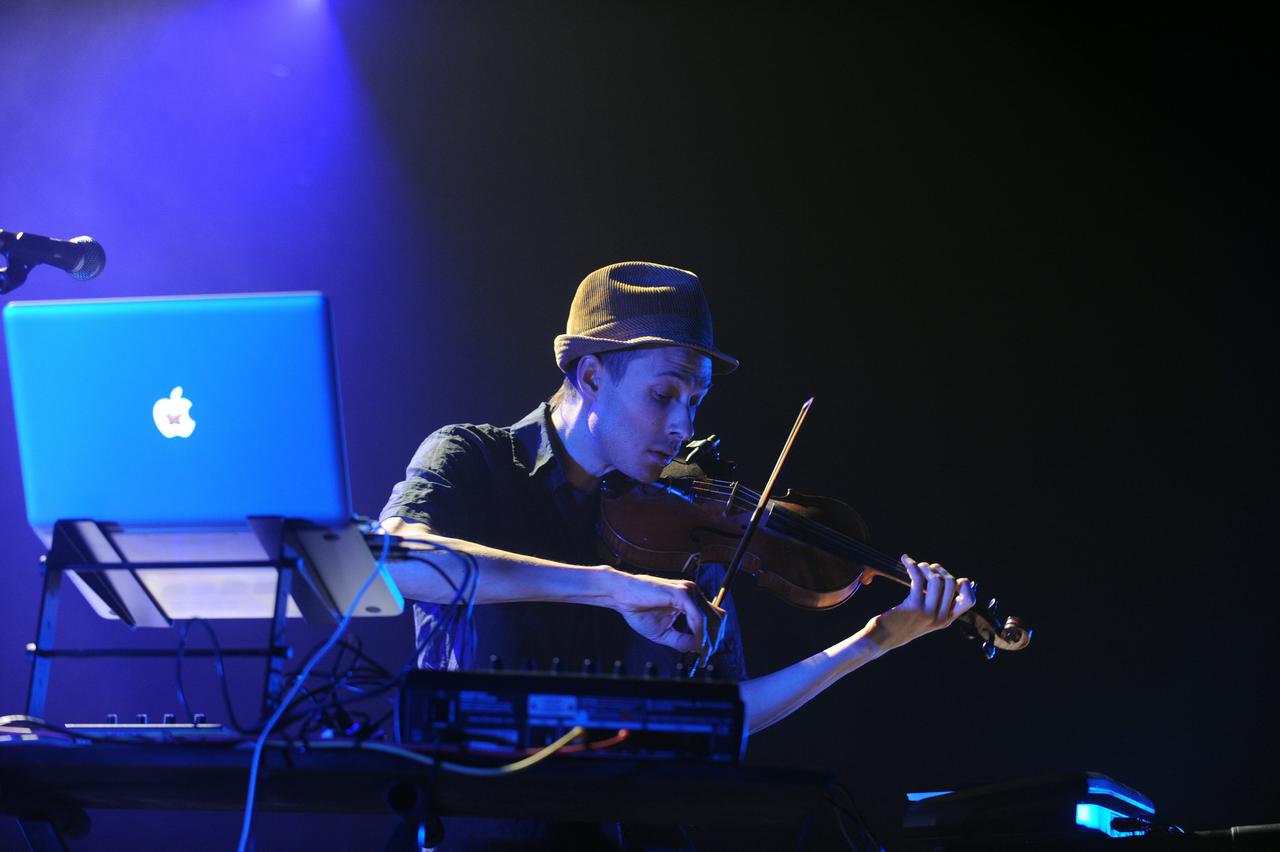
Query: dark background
{"x": 1020, "y": 257}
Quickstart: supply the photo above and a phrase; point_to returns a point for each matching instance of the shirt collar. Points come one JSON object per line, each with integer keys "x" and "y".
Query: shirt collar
{"x": 535, "y": 445}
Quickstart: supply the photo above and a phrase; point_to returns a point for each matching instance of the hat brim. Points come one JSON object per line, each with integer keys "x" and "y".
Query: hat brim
{"x": 571, "y": 347}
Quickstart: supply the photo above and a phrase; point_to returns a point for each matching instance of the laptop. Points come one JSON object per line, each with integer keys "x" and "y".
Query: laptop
{"x": 176, "y": 420}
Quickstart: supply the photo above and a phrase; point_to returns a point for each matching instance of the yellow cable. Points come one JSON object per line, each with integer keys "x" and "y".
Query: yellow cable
{"x": 461, "y": 768}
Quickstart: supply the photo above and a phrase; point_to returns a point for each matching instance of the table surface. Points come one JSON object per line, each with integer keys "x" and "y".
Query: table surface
{"x": 37, "y": 776}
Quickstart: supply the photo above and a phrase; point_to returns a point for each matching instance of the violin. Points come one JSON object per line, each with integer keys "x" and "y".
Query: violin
{"x": 809, "y": 551}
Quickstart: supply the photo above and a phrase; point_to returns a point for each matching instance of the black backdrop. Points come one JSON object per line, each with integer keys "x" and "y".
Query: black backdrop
{"x": 1020, "y": 258}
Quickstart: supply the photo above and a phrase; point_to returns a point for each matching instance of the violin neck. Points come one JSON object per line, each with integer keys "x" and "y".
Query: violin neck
{"x": 781, "y": 519}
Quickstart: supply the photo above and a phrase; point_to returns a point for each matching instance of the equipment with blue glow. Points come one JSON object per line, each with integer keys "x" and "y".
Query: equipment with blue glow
{"x": 1045, "y": 812}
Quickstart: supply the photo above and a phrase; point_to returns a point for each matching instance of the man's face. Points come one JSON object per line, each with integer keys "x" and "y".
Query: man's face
{"x": 640, "y": 420}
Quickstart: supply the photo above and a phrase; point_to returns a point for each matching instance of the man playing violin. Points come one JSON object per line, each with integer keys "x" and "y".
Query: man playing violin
{"x": 522, "y": 501}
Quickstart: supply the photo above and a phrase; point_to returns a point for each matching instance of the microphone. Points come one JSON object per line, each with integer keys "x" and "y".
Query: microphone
{"x": 82, "y": 257}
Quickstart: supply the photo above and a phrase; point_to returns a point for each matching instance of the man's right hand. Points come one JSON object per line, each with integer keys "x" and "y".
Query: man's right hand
{"x": 674, "y": 613}
{"x": 654, "y": 606}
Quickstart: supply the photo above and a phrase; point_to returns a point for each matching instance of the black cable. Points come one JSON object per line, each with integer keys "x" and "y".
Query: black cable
{"x": 684, "y": 832}
{"x": 357, "y": 651}
{"x": 323, "y": 697}
{"x": 860, "y": 824}
{"x": 328, "y": 707}
{"x": 182, "y": 693}
{"x": 839, "y": 815}
{"x": 363, "y": 676}
{"x": 221, "y": 669}
{"x": 322, "y": 705}
{"x": 448, "y": 616}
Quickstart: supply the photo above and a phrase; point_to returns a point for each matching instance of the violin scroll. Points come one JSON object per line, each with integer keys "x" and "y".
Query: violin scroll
{"x": 984, "y": 624}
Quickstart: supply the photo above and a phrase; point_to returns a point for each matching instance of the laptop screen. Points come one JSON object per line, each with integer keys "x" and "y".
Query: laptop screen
{"x": 188, "y": 413}
{"x": 177, "y": 419}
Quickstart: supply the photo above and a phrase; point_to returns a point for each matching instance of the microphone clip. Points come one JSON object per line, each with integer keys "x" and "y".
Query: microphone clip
{"x": 13, "y": 275}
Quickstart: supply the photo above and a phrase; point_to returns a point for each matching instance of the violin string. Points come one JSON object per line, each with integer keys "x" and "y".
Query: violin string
{"x": 837, "y": 540}
{"x": 748, "y": 498}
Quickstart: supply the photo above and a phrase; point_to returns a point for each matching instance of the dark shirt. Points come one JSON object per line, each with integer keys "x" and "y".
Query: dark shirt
{"x": 505, "y": 487}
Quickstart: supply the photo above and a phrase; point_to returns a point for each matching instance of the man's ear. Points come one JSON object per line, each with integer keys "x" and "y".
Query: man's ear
{"x": 589, "y": 374}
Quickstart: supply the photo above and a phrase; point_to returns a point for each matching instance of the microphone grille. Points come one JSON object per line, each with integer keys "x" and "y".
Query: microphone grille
{"x": 92, "y": 259}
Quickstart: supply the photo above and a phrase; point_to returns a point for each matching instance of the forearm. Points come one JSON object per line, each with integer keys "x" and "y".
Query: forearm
{"x": 504, "y": 577}
{"x": 775, "y": 696}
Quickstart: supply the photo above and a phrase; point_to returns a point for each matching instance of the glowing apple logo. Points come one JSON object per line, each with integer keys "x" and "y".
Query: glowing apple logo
{"x": 173, "y": 415}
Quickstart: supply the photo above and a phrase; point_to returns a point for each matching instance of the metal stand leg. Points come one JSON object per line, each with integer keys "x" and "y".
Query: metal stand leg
{"x": 41, "y": 836}
{"x": 419, "y": 828}
{"x": 38, "y": 688}
{"x": 86, "y": 547}
{"x": 276, "y": 647}
{"x": 48, "y": 827}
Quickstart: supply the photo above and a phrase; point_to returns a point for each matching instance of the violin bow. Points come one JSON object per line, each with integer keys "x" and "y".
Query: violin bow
{"x": 736, "y": 562}
{"x": 765, "y": 494}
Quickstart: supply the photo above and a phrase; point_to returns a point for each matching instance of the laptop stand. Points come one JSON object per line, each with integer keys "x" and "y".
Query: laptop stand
{"x": 87, "y": 547}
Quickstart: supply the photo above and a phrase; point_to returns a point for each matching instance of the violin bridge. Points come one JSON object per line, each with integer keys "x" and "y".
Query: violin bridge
{"x": 728, "y": 504}
{"x": 691, "y": 565}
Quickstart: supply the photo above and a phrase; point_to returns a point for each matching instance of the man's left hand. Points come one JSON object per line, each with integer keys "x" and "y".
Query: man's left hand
{"x": 936, "y": 599}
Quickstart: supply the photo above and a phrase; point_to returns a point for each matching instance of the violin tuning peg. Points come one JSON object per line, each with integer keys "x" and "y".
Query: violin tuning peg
{"x": 1015, "y": 633}
{"x": 993, "y": 605}
{"x": 989, "y": 650}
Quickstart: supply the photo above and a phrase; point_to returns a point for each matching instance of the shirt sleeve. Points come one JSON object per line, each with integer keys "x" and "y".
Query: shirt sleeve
{"x": 443, "y": 485}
